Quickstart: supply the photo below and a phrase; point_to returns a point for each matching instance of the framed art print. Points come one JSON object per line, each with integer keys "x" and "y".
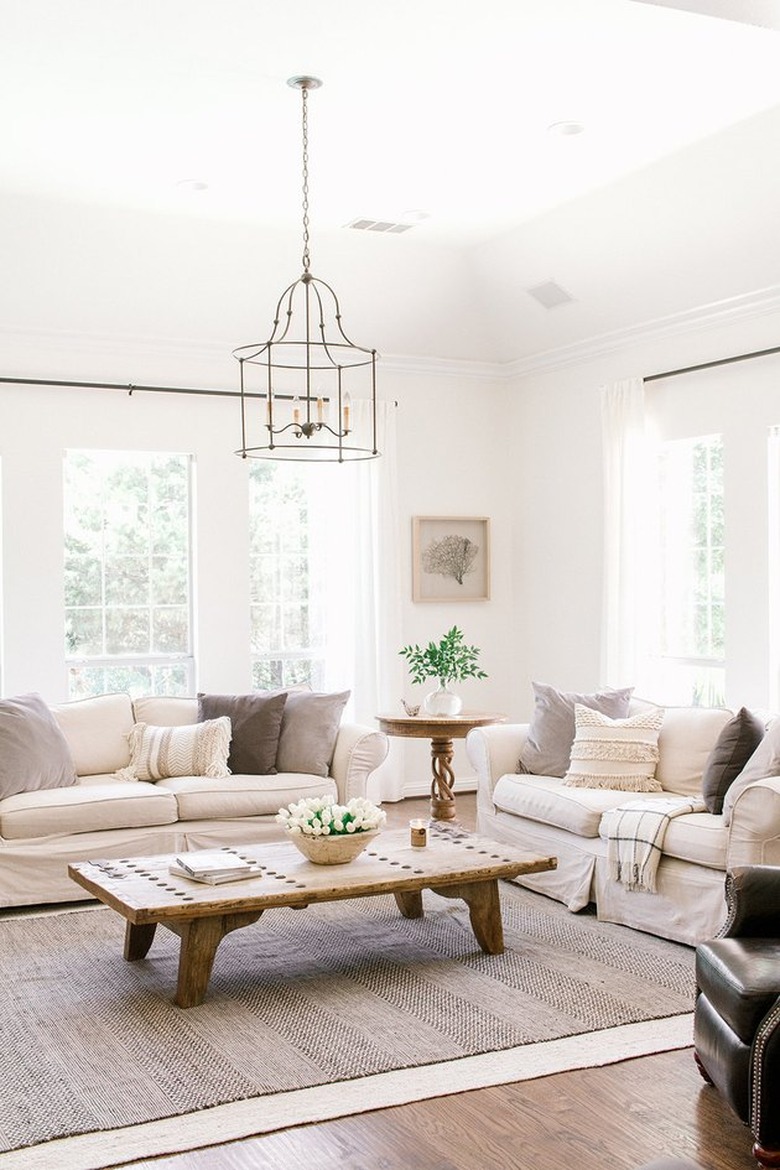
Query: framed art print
{"x": 450, "y": 558}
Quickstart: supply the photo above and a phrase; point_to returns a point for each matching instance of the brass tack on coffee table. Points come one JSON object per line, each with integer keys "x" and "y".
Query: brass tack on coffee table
{"x": 454, "y": 864}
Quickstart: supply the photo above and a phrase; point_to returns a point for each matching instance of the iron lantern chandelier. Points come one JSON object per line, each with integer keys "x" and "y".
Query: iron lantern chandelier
{"x": 308, "y": 371}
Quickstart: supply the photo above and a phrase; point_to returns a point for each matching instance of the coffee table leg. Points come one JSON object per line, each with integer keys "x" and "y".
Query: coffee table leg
{"x": 484, "y": 906}
{"x": 442, "y": 798}
{"x": 138, "y": 939}
{"x": 199, "y": 941}
{"x": 410, "y": 903}
{"x": 200, "y": 938}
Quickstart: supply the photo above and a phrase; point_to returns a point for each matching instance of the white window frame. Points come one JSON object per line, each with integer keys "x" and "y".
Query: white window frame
{"x": 152, "y": 661}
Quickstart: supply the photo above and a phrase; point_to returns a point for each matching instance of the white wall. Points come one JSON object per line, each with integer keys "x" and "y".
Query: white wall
{"x": 452, "y": 443}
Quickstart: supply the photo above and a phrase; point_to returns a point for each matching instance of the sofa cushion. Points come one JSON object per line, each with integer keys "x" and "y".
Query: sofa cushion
{"x": 733, "y": 748}
{"x": 96, "y": 730}
{"x": 615, "y": 753}
{"x": 700, "y": 838}
{"x": 548, "y": 800}
{"x": 310, "y": 727}
{"x": 256, "y": 722}
{"x": 200, "y": 798}
{"x": 84, "y": 809}
{"x": 34, "y": 753}
{"x": 197, "y": 749}
{"x": 166, "y": 710}
{"x": 547, "y": 749}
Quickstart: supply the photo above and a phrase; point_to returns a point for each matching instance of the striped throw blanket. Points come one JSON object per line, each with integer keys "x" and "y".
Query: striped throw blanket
{"x": 635, "y": 837}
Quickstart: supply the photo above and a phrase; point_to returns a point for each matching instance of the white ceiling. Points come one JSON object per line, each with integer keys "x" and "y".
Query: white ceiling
{"x": 666, "y": 201}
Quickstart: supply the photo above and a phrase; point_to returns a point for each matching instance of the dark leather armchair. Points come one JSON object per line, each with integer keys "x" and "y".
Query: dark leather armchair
{"x": 737, "y": 1017}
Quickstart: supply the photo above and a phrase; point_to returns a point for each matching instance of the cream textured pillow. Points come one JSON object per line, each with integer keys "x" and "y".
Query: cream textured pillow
{"x": 615, "y": 753}
{"x": 195, "y": 749}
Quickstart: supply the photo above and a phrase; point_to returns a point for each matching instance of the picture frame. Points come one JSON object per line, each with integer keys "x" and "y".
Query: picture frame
{"x": 450, "y": 558}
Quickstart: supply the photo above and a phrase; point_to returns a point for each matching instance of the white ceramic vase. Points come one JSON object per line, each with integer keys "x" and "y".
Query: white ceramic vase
{"x": 442, "y": 701}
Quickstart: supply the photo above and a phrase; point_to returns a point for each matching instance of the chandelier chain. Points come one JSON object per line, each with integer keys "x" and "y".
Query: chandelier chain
{"x": 305, "y": 138}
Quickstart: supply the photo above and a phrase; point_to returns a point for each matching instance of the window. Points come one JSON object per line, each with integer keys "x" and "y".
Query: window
{"x": 692, "y": 650}
{"x": 128, "y": 605}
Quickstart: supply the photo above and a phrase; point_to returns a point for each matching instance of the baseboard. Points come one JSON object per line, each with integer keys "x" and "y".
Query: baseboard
{"x": 415, "y": 788}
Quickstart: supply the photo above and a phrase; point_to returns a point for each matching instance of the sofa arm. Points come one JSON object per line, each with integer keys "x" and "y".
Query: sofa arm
{"x": 359, "y": 751}
{"x": 754, "y": 831}
{"x": 753, "y": 899}
{"x": 493, "y": 751}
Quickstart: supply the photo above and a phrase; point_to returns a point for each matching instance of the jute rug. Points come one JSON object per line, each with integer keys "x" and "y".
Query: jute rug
{"x": 310, "y": 1014}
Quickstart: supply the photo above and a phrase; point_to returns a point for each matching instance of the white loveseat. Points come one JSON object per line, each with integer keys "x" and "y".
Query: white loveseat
{"x": 104, "y": 816}
{"x": 544, "y": 815}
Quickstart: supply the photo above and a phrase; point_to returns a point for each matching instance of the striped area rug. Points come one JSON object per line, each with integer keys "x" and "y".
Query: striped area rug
{"x": 310, "y": 1014}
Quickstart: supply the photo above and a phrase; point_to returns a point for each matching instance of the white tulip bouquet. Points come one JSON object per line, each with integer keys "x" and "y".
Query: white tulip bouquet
{"x": 320, "y": 816}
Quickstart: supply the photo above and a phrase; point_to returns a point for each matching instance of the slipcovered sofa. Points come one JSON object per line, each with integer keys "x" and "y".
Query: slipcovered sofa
{"x": 100, "y": 809}
{"x": 547, "y": 815}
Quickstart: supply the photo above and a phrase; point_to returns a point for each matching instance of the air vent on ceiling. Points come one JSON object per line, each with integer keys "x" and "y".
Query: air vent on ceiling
{"x": 379, "y": 225}
{"x": 550, "y": 294}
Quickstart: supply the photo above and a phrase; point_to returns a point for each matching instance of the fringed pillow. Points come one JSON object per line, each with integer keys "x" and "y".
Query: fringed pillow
{"x": 195, "y": 749}
{"x": 615, "y": 753}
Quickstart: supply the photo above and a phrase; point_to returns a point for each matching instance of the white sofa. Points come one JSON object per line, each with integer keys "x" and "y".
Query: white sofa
{"x": 542, "y": 814}
{"x": 102, "y": 816}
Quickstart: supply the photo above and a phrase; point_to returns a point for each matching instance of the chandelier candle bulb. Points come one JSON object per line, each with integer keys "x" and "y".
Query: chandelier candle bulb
{"x": 296, "y": 410}
{"x": 418, "y": 833}
{"x": 320, "y": 411}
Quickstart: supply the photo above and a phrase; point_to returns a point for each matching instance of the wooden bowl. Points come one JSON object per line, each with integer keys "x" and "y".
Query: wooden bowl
{"x": 333, "y": 850}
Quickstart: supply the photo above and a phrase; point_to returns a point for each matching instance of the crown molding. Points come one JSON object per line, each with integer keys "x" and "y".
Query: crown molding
{"x": 442, "y": 367}
{"x": 22, "y": 345}
{"x": 748, "y": 306}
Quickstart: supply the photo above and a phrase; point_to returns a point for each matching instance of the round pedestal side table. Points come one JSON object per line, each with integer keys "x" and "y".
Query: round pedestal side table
{"x": 440, "y": 730}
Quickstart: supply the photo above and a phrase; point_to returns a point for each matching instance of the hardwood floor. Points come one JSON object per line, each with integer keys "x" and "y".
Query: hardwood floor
{"x": 612, "y": 1118}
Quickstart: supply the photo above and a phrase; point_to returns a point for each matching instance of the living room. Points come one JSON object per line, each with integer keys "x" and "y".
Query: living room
{"x": 659, "y": 236}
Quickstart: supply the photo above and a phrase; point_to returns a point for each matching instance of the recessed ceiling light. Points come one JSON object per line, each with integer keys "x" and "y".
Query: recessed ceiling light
{"x": 192, "y": 185}
{"x": 566, "y": 129}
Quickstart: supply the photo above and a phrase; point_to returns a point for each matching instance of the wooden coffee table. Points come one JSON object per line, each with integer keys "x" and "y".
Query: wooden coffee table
{"x": 455, "y": 865}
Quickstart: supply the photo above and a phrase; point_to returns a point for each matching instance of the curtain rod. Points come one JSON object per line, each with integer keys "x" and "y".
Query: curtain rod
{"x": 132, "y": 388}
{"x": 741, "y": 357}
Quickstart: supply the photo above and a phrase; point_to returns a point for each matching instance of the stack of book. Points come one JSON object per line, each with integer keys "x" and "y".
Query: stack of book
{"x": 213, "y": 866}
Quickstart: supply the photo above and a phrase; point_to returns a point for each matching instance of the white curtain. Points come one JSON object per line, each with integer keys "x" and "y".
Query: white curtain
{"x": 625, "y": 620}
{"x": 378, "y": 667}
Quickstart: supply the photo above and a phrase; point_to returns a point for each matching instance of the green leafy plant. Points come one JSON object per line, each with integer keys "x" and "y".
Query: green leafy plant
{"x": 449, "y": 660}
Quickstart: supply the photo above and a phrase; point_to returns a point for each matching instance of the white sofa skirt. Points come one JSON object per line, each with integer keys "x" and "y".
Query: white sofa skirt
{"x": 35, "y": 871}
{"x": 573, "y": 881}
{"x": 689, "y": 903}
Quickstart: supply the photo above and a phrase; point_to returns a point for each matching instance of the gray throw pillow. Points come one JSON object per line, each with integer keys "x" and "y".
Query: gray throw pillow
{"x": 765, "y": 761}
{"x": 310, "y": 726}
{"x": 547, "y": 750}
{"x": 34, "y": 753}
{"x": 256, "y": 722}
{"x": 733, "y": 748}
